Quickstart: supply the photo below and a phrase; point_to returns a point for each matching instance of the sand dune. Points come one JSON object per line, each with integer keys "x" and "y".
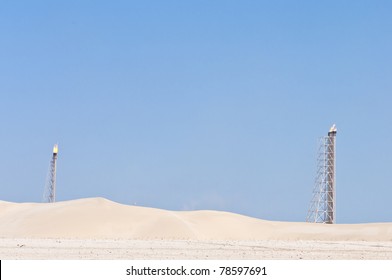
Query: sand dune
{"x": 98, "y": 218}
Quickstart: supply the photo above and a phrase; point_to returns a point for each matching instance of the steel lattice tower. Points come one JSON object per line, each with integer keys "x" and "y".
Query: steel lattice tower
{"x": 50, "y": 186}
{"x": 322, "y": 207}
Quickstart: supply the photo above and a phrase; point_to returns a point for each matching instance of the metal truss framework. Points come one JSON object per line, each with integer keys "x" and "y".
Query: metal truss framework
{"x": 322, "y": 206}
{"x": 50, "y": 186}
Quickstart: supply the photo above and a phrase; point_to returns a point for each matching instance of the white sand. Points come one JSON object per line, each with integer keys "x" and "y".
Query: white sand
{"x": 97, "y": 228}
{"x": 191, "y": 249}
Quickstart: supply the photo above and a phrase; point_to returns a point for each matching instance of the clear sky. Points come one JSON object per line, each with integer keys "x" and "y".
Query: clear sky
{"x": 188, "y": 105}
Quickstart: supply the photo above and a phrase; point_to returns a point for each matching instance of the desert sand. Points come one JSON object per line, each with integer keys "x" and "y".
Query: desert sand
{"x": 97, "y": 228}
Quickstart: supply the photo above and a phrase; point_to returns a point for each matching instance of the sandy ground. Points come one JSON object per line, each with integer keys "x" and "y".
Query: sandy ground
{"x": 97, "y": 228}
{"x": 181, "y": 249}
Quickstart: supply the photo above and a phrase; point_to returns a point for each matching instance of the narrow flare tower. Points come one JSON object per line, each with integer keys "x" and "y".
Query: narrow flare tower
{"x": 50, "y": 186}
{"x": 323, "y": 205}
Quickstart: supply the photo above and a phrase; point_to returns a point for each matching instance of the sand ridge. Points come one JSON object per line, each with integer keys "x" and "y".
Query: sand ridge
{"x": 99, "y": 218}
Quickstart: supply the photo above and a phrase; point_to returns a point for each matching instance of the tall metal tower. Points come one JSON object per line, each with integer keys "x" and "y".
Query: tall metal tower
{"x": 322, "y": 207}
{"x": 50, "y": 186}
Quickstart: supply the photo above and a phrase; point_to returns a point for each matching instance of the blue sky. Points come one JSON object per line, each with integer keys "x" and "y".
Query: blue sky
{"x": 187, "y": 105}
